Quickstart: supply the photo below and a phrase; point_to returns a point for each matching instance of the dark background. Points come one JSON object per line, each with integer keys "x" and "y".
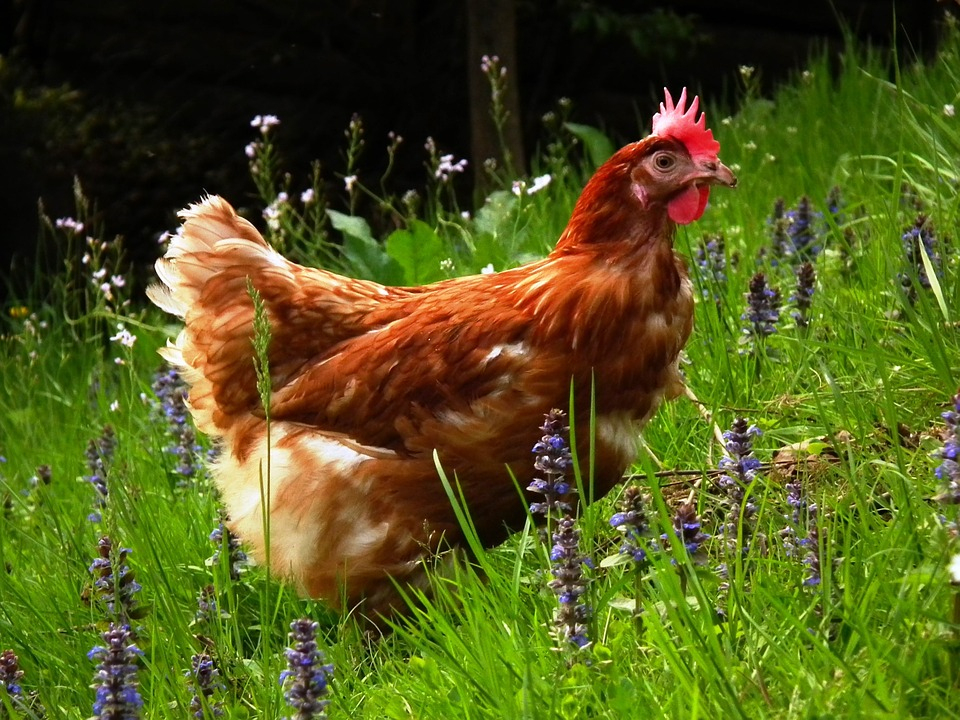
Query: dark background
{"x": 149, "y": 103}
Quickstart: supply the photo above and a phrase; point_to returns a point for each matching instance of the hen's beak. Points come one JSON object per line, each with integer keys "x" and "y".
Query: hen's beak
{"x": 715, "y": 172}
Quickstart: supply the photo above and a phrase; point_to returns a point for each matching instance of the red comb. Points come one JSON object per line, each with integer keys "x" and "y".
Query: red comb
{"x": 679, "y": 122}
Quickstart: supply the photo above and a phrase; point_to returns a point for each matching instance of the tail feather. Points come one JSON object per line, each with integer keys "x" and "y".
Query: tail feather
{"x": 204, "y": 278}
{"x": 214, "y": 244}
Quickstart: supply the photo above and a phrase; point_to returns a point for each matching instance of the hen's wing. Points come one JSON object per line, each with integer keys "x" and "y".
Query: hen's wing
{"x": 438, "y": 369}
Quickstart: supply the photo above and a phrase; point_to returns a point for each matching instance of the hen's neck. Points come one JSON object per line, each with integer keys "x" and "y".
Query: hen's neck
{"x": 612, "y": 219}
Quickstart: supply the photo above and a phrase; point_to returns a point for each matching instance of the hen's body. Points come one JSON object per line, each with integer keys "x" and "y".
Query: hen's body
{"x": 368, "y": 381}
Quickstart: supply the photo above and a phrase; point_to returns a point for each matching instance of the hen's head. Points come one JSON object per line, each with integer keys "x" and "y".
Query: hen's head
{"x": 686, "y": 172}
{"x": 670, "y": 173}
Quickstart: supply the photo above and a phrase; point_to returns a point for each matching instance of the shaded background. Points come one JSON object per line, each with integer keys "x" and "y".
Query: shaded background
{"x": 149, "y": 104}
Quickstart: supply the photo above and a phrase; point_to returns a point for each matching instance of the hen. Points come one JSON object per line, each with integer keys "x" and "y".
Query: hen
{"x": 369, "y": 380}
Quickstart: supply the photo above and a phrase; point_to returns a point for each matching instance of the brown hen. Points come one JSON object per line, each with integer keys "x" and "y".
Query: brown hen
{"x": 369, "y": 380}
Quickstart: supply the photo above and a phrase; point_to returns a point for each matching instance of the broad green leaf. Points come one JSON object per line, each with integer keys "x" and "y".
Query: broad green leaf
{"x": 599, "y": 147}
{"x": 419, "y": 251}
{"x": 351, "y": 225}
{"x": 497, "y": 214}
{"x": 488, "y": 251}
{"x": 363, "y": 253}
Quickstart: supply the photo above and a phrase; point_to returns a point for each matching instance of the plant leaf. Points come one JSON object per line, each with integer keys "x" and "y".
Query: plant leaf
{"x": 366, "y": 257}
{"x": 418, "y": 250}
{"x": 599, "y": 147}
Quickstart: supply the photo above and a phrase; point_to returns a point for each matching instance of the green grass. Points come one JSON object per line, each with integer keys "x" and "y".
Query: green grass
{"x": 866, "y": 382}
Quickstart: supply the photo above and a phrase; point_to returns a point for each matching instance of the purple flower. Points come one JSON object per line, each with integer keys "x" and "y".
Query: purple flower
{"x": 222, "y": 537}
{"x": 802, "y": 517}
{"x": 779, "y": 239}
{"x": 687, "y": 527}
{"x": 812, "y": 557}
{"x": 569, "y": 584}
{"x": 114, "y": 582}
{"x": 739, "y": 471}
{"x": 99, "y": 456}
{"x": 802, "y": 298}
{"x": 763, "y": 310}
{"x": 10, "y": 674}
{"x": 712, "y": 261}
{"x": 795, "y": 233}
{"x": 835, "y": 205}
{"x": 553, "y": 461}
{"x": 204, "y": 682}
{"x": 919, "y": 240}
{"x": 306, "y": 677}
{"x": 632, "y": 522}
{"x": 802, "y": 230}
{"x": 207, "y": 606}
{"x": 948, "y": 471}
{"x": 171, "y": 391}
{"x": 115, "y": 680}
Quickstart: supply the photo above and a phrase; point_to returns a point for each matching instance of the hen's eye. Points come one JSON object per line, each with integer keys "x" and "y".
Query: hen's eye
{"x": 663, "y": 161}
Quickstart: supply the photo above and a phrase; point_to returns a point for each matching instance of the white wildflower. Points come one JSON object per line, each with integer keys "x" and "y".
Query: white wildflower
{"x": 99, "y": 274}
{"x": 448, "y": 167}
{"x": 86, "y": 259}
{"x": 123, "y": 336}
{"x": 955, "y": 569}
{"x": 250, "y": 150}
{"x": 307, "y": 196}
{"x": 265, "y": 122}
{"x": 539, "y": 183}
{"x": 271, "y": 213}
{"x": 446, "y": 264}
{"x": 487, "y": 269}
{"x": 750, "y": 145}
{"x": 949, "y": 110}
{"x": 114, "y": 406}
{"x": 68, "y": 223}
{"x": 349, "y": 181}
{"x": 746, "y": 72}
{"x": 118, "y": 281}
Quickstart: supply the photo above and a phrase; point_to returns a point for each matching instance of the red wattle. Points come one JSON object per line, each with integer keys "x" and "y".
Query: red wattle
{"x": 688, "y": 205}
